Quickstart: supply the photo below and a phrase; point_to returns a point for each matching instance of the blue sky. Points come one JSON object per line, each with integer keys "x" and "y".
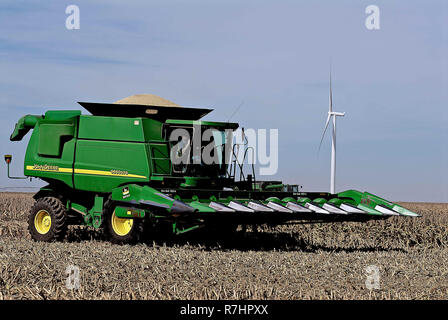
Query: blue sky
{"x": 274, "y": 56}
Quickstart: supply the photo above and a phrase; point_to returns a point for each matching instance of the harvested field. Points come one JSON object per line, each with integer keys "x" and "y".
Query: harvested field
{"x": 326, "y": 261}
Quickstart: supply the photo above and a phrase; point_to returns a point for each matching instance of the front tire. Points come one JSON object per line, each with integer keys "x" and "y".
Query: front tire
{"x": 121, "y": 230}
{"x": 47, "y": 220}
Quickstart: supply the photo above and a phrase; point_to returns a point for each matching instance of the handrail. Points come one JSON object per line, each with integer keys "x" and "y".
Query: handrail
{"x": 235, "y": 161}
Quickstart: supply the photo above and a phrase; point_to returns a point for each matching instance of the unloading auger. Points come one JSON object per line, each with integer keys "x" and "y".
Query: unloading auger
{"x": 113, "y": 169}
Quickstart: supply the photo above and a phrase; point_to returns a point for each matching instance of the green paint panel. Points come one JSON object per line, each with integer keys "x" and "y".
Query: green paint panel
{"x": 57, "y": 115}
{"x": 369, "y": 210}
{"x": 320, "y": 201}
{"x": 369, "y": 200}
{"x": 275, "y": 200}
{"x": 337, "y": 201}
{"x": 303, "y": 200}
{"x": 49, "y": 168}
{"x": 152, "y": 130}
{"x": 103, "y": 165}
{"x": 129, "y": 213}
{"x": 133, "y": 192}
{"x": 201, "y": 207}
{"x": 53, "y": 135}
{"x": 111, "y": 128}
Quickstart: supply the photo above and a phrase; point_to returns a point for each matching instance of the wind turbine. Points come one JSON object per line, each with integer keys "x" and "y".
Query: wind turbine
{"x": 333, "y": 114}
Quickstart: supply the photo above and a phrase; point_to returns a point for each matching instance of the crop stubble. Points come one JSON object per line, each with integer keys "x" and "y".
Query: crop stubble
{"x": 315, "y": 261}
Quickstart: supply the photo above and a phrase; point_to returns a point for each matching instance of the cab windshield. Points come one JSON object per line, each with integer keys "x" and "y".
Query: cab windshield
{"x": 200, "y": 155}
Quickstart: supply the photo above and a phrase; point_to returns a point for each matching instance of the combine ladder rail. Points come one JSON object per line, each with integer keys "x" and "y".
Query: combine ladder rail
{"x": 235, "y": 161}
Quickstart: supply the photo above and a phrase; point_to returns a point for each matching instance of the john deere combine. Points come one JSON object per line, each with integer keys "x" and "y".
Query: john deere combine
{"x": 114, "y": 169}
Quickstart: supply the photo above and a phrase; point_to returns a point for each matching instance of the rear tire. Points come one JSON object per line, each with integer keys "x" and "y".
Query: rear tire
{"x": 47, "y": 220}
{"x": 121, "y": 230}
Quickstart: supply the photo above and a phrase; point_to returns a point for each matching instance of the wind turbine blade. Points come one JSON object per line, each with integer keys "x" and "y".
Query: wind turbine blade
{"x": 330, "y": 102}
{"x": 325, "y": 130}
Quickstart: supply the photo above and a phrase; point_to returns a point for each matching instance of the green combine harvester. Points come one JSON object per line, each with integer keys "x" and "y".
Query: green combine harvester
{"x": 114, "y": 170}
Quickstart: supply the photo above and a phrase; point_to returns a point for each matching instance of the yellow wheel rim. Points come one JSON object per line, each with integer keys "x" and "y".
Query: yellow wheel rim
{"x": 42, "y": 221}
{"x": 121, "y": 226}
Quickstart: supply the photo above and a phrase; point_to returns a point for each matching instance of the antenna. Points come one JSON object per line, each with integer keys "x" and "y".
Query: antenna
{"x": 236, "y": 110}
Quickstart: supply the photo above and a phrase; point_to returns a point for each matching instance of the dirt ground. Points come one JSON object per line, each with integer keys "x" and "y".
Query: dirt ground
{"x": 318, "y": 261}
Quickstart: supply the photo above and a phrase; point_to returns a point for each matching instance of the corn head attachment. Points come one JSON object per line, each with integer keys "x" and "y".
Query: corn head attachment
{"x": 117, "y": 169}
{"x": 258, "y": 207}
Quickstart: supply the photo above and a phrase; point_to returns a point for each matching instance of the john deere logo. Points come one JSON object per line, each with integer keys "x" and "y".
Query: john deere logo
{"x": 125, "y": 192}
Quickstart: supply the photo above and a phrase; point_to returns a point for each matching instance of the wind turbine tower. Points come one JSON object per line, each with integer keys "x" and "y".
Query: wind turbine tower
{"x": 332, "y": 114}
